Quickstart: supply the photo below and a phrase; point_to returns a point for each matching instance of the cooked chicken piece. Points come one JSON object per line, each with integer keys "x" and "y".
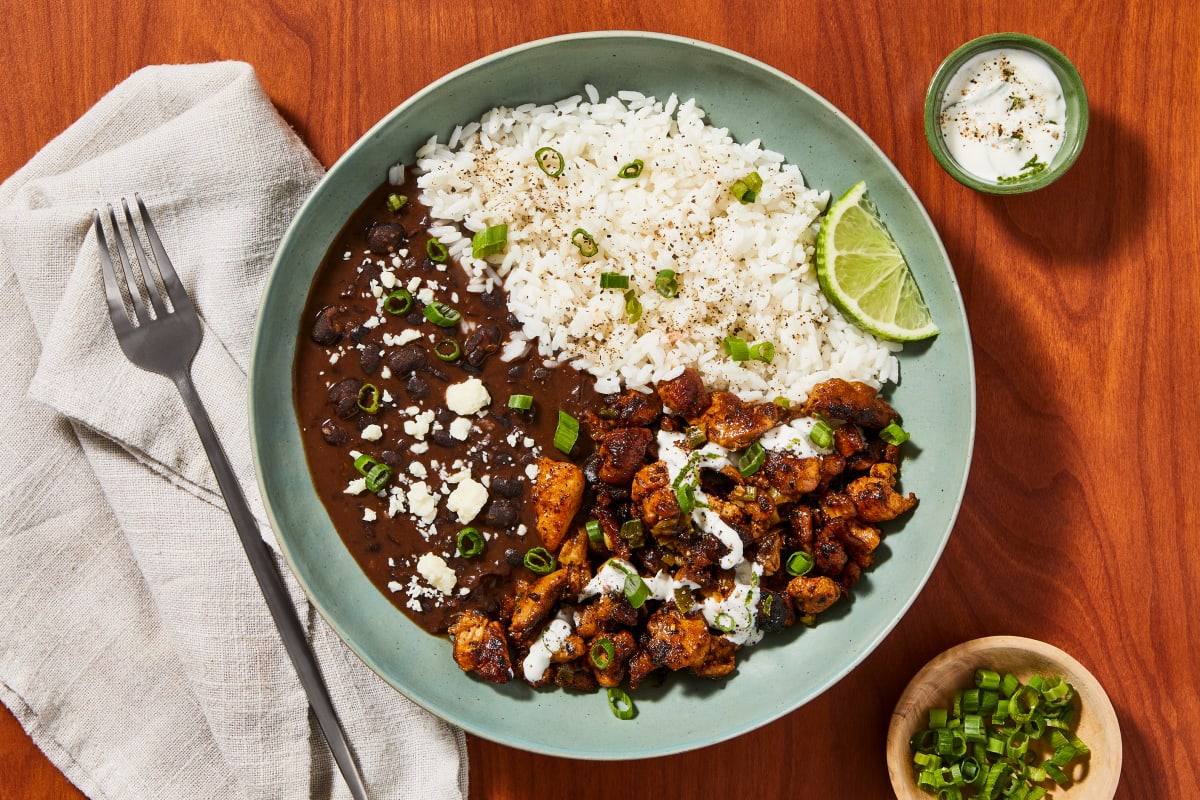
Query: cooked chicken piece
{"x": 686, "y": 395}
{"x": 573, "y": 555}
{"x": 622, "y": 453}
{"x": 812, "y": 595}
{"x": 652, "y": 489}
{"x": 572, "y": 648}
{"x": 851, "y": 401}
{"x": 875, "y": 497}
{"x": 836, "y": 505}
{"x": 623, "y": 646}
{"x": 861, "y": 540}
{"x": 640, "y": 666}
{"x": 675, "y": 641}
{"x": 606, "y": 614}
{"x": 789, "y": 475}
{"x": 768, "y": 553}
{"x": 575, "y": 675}
{"x": 557, "y": 495}
{"x": 848, "y": 439}
{"x": 719, "y": 661}
{"x": 736, "y": 425}
{"x": 479, "y": 646}
{"x": 775, "y": 611}
{"x": 534, "y": 605}
{"x": 801, "y": 518}
{"x": 633, "y": 409}
{"x": 829, "y": 554}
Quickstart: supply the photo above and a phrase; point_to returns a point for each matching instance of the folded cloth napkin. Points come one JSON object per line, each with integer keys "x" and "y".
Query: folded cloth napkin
{"x": 135, "y": 645}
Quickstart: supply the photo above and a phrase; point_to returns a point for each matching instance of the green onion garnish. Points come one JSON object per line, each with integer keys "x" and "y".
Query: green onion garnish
{"x": 603, "y": 653}
{"x": 894, "y": 434}
{"x": 550, "y": 161}
{"x": 447, "y": 350}
{"x": 540, "y": 560}
{"x": 683, "y": 599}
{"x": 436, "y": 250}
{"x": 763, "y": 351}
{"x": 782, "y": 402}
{"x": 595, "y": 532}
{"x": 799, "y": 563}
{"x": 751, "y": 460}
{"x": 632, "y": 170}
{"x": 613, "y": 280}
{"x": 620, "y": 703}
{"x": 747, "y": 189}
{"x": 398, "y": 302}
{"x": 470, "y": 543}
{"x": 635, "y": 589}
{"x": 566, "y": 433}
{"x": 723, "y": 622}
{"x": 395, "y": 202}
{"x": 368, "y": 398}
{"x": 696, "y": 437}
{"x": 666, "y": 283}
{"x": 685, "y": 495}
{"x": 442, "y": 315}
{"x": 489, "y": 241}
{"x": 521, "y": 402}
{"x": 377, "y": 477}
{"x": 821, "y": 434}
{"x": 736, "y": 348}
{"x": 633, "y": 307}
{"x": 586, "y": 244}
{"x": 634, "y": 532}
{"x": 364, "y": 462}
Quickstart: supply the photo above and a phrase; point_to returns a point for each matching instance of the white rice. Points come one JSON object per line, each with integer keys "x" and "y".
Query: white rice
{"x": 743, "y": 269}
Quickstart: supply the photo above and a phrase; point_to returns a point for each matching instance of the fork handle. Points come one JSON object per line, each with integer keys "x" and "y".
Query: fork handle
{"x": 263, "y": 563}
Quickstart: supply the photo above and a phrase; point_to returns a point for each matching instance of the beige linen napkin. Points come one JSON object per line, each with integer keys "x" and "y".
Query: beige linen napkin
{"x": 135, "y": 646}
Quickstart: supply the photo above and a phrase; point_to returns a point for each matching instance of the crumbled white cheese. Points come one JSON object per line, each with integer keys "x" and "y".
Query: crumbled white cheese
{"x": 467, "y": 499}
{"x": 468, "y": 397}
{"x": 403, "y": 337}
{"x": 434, "y": 569}
{"x": 422, "y": 502}
{"x": 418, "y": 469}
{"x": 371, "y": 322}
{"x": 531, "y": 471}
{"x": 387, "y": 278}
{"x": 396, "y": 502}
{"x": 460, "y": 429}
{"x": 419, "y": 426}
{"x": 356, "y": 486}
{"x": 372, "y": 433}
{"x": 369, "y": 515}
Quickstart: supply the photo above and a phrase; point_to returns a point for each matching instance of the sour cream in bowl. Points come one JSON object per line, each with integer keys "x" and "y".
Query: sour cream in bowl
{"x": 1006, "y": 113}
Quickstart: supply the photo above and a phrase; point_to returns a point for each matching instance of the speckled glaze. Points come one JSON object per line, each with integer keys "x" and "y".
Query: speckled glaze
{"x": 936, "y": 395}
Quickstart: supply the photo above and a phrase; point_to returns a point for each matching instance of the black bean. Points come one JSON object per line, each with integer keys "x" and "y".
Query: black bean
{"x": 358, "y": 332}
{"x": 345, "y": 388}
{"x": 482, "y": 342}
{"x": 517, "y": 372}
{"x": 444, "y": 415}
{"x": 346, "y": 407}
{"x": 406, "y": 359}
{"x": 541, "y": 374}
{"x": 492, "y": 299}
{"x": 508, "y": 487}
{"x": 332, "y": 433}
{"x": 415, "y": 318}
{"x": 393, "y": 458}
{"x": 327, "y": 328}
{"x": 364, "y": 420}
{"x": 502, "y": 514}
{"x": 502, "y": 459}
{"x": 443, "y": 438}
{"x": 370, "y": 357}
{"x": 386, "y": 237}
{"x": 513, "y": 556}
{"x": 417, "y": 388}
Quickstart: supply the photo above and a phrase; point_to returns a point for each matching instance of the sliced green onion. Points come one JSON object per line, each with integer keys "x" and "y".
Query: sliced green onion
{"x": 747, "y": 189}
{"x": 447, "y": 350}
{"x": 821, "y": 434}
{"x": 620, "y": 703}
{"x": 550, "y": 161}
{"x": 752, "y": 460}
{"x": 364, "y": 462}
{"x": 987, "y": 679}
{"x": 489, "y": 241}
{"x": 800, "y": 563}
{"x": 398, "y": 302}
{"x": 586, "y": 244}
{"x": 635, "y": 589}
{"x": 470, "y": 542}
{"x": 723, "y": 622}
{"x": 632, "y": 170}
{"x": 894, "y": 434}
{"x": 603, "y": 653}
{"x": 595, "y": 532}
{"x": 763, "y": 351}
{"x": 378, "y": 477}
{"x": 395, "y": 202}
{"x": 634, "y": 532}
{"x": 736, "y": 348}
{"x": 685, "y": 495}
{"x": 782, "y": 402}
{"x": 613, "y": 280}
{"x": 937, "y": 715}
{"x": 436, "y": 250}
{"x": 666, "y": 284}
{"x": 696, "y": 437}
{"x": 368, "y": 398}
{"x": 566, "y": 433}
{"x": 685, "y": 602}
{"x": 540, "y": 560}
{"x": 521, "y": 402}
{"x": 442, "y": 315}
{"x": 633, "y": 307}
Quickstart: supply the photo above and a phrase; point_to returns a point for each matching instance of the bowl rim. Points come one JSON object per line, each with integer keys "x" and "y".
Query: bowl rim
{"x": 1067, "y": 74}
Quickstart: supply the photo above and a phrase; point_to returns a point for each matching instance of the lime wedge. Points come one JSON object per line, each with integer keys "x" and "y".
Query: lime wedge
{"x": 864, "y": 274}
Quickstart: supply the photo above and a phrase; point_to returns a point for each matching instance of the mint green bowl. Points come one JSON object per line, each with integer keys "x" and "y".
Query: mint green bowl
{"x": 936, "y": 396}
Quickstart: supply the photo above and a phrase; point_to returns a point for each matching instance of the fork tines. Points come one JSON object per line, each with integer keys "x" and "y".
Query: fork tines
{"x": 136, "y": 252}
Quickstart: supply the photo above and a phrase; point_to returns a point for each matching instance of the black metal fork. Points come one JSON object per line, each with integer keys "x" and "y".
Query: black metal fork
{"x": 165, "y": 339}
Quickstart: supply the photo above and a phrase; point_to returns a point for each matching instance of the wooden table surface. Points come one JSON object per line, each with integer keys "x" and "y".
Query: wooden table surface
{"x": 1079, "y": 525}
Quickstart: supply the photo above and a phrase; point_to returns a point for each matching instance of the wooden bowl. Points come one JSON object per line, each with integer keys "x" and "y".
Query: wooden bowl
{"x": 954, "y": 669}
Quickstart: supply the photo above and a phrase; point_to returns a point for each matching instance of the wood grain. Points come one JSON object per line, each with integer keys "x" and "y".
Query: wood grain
{"x": 1078, "y": 525}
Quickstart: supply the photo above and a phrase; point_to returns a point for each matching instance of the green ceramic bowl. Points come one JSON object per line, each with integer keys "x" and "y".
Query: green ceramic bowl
{"x": 936, "y": 395}
{"x": 1076, "y": 124}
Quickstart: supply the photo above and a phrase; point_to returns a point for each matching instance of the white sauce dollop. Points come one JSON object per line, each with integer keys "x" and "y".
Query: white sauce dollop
{"x": 550, "y": 642}
{"x": 1003, "y": 114}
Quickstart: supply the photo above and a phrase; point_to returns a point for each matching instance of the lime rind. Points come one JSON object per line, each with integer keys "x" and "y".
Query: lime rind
{"x": 864, "y": 274}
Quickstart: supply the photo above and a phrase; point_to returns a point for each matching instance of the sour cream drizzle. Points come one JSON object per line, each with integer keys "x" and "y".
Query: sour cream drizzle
{"x": 1003, "y": 114}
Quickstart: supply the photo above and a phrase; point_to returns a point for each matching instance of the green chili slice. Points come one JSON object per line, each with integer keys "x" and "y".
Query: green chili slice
{"x": 800, "y": 563}
{"x": 747, "y": 189}
{"x": 395, "y": 202}
{"x": 736, "y": 348}
{"x": 550, "y": 161}
{"x": 603, "y": 653}
{"x": 442, "y": 315}
{"x": 368, "y": 398}
{"x": 632, "y": 170}
{"x": 521, "y": 402}
{"x": 566, "y": 433}
{"x": 821, "y": 434}
{"x": 894, "y": 434}
{"x": 448, "y": 349}
{"x": 540, "y": 560}
{"x": 763, "y": 351}
{"x": 436, "y": 250}
{"x": 586, "y": 244}
{"x": 633, "y": 307}
{"x": 666, "y": 284}
{"x": 470, "y": 542}
{"x": 752, "y": 460}
{"x": 398, "y": 302}
{"x": 613, "y": 280}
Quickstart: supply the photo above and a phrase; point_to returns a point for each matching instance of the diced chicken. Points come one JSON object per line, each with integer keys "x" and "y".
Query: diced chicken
{"x": 686, "y": 395}
{"x": 634, "y": 409}
{"x": 606, "y": 614}
{"x": 652, "y": 489}
{"x": 535, "y": 604}
{"x": 789, "y": 475}
{"x": 675, "y": 641}
{"x": 719, "y": 661}
{"x": 480, "y": 647}
{"x": 736, "y": 425}
{"x": 574, "y": 557}
{"x": 851, "y": 401}
{"x": 557, "y": 495}
{"x": 623, "y": 646}
{"x": 812, "y": 595}
{"x": 875, "y": 497}
{"x": 622, "y": 453}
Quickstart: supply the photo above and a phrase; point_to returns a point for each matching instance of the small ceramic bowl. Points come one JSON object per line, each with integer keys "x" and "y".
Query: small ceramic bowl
{"x": 955, "y": 669}
{"x": 1074, "y": 96}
